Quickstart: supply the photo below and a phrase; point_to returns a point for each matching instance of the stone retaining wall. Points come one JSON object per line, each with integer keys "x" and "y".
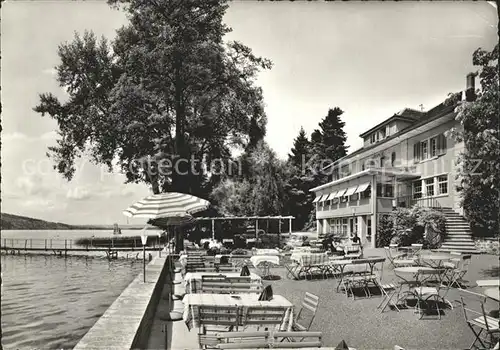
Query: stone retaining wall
{"x": 127, "y": 322}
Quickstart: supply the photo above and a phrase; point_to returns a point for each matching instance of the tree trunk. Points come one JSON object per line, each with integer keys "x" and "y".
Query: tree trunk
{"x": 180, "y": 178}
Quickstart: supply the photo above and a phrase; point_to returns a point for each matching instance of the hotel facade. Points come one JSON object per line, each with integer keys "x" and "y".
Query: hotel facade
{"x": 406, "y": 160}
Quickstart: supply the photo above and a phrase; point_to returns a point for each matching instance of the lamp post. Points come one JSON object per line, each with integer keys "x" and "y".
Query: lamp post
{"x": 144, "y": 240}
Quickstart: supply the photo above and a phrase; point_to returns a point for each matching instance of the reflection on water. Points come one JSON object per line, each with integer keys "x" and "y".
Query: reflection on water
{"x": 51, "y": 302}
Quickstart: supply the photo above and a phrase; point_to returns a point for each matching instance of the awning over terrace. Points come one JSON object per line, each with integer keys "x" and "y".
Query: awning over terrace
{"x": 317, "y": 199}
{"x": 339, "y": 193}
{"x": 350, "y": 191}
{"x": 362, "y": 187}
{"x": 331, "y": 195}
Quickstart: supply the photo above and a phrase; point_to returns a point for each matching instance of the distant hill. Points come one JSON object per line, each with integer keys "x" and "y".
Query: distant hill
{"x": 17, "y": 222}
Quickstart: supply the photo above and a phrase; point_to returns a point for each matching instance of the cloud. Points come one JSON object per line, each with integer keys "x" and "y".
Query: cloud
{"x": 14, "y": 136}
{"x": 78, "y": 193}
{"x": 31, "y": 185}
{"x": 50, "y": 71}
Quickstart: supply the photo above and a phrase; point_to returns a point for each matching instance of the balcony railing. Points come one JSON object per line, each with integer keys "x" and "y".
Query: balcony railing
{"x": 409, "y": 201}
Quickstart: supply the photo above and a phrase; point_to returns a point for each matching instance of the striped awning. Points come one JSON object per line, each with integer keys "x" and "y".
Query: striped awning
{"x": 362, "y": 187}
{"x": 331, "y": 195}
{"x": 339, "y": 193}
{"x": 350, "y": 191}
{"x": 317, "y": 199}
{"x": 167, "y": 205}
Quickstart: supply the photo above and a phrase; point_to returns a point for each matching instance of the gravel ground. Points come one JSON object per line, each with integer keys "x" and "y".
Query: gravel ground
{"x": 363, "y": 326}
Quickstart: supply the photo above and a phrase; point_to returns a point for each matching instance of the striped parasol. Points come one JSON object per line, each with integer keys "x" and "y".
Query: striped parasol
{"x": 173, "y": 205}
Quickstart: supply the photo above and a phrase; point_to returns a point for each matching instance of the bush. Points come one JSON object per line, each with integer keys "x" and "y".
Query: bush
{"x": 385, "y": 231}
{"x": 406, "y": 226}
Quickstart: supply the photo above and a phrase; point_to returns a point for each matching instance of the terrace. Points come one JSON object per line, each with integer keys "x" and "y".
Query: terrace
{"x": 357, "y": 320}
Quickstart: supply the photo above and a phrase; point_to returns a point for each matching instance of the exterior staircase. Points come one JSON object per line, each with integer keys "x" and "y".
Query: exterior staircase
{"x": 458, "y": 234}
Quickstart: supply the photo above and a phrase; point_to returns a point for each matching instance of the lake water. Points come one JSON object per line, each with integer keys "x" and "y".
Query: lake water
{"x": 50, "y": 302}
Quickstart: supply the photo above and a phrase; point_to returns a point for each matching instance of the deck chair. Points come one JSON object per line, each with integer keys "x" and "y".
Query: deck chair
{"x": 307, "y": 313}
{"x": 477, "y": 319}
{"x": 263, "y": 316}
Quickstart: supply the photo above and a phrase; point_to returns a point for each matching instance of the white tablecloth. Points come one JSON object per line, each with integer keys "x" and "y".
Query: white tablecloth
{"x": 193, "y": 301}
{"x": 193, "y": 279}
{"x": 272, "y": 252}
{"x": 257, "y": 259}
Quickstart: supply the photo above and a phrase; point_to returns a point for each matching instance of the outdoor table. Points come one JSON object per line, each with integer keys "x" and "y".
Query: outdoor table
{"x": 272, "y": 252}
{"x": 488, "y": 283}
{"x": 435, "y": 260}
{"x": 193, "y": 279}
{"x": 493, "y": 293}
{"x": 193, "y": 301}
{"x": 305, "y": 262}
{"x": 264, "y": 262}
{"x": 411, "y": 270}
{"x": 340, "y": 264}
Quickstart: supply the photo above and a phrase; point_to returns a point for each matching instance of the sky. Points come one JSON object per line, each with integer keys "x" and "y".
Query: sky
{"x": 371, "y": 59}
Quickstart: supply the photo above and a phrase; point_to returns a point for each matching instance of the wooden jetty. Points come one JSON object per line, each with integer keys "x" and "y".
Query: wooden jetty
{"x": 60, "y": 247}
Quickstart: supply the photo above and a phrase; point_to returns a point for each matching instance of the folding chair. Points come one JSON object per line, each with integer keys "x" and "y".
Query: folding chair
{"x": 477, "y": 319}
{"x": 456, "y": 276}
{"x": 388, "y": 290}
{"x": 397, "y": 259}
{"x": 416, "y": 249}
{"x": 431, "y": 292}
{"x": 307, "y": 313}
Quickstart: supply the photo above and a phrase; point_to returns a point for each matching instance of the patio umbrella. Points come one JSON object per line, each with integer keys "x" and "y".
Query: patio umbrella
{"x": 167, "y": 205}
{"x": 171, "y": 209}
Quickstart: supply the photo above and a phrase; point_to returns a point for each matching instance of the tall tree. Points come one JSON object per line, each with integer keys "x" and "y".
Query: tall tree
{"x": 167, "y": 89}
{"x": 331, "y": 144}
{"x": 301, "y": 149}
{"x": 260, "y": 192}
{"x": 479, "y": 166}
{"x": 299, "y": 181}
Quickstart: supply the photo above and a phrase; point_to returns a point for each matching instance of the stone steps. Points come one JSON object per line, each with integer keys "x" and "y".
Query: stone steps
{"x": 458, "y": 234}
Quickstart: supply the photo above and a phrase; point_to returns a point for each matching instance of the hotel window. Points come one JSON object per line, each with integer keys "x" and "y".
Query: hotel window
{"x": 335, "y": 174}
{"x": 393, "y": 158}
{"x": 417, "y": 189}
{"x": 429, "y": 187}
{"x": 441, "y": 144}
{"x": 416, "y": 152}
{"x": 424, "y": 149}
{"x": 382, "y": 161}
{"x": 382, "y": 134}
{"x": 433, "y": 146}
{"x": 379, "y": 190}
{"x": 345, "y": 171}
{"x": 442, "y": 184}
{"x": 344, "y": 226}
{"x": 369, "y": 227}
{"x": 388, "y": 190}
{"x": 372, "y": 138}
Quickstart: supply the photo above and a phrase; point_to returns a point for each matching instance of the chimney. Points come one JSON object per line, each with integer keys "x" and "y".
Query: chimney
{"x": 470, "y": 92}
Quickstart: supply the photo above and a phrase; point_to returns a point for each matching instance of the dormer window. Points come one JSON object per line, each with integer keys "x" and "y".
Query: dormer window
{"x": 372, "y": 138}
{"x": 382, "y": 134}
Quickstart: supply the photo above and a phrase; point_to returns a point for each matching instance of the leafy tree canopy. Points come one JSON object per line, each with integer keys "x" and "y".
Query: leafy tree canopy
{"x": 166, "y": 88}
{"x": 479, "y": 168}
